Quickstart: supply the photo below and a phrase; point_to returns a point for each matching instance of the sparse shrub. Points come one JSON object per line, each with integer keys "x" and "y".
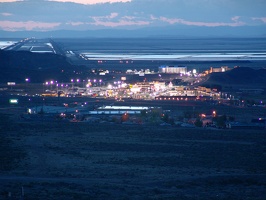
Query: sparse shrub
{"x": 5, "y": 123}
{"x": 198, "y": 123}
{"x": 165, "y": 117}
{"x": 220, "y": 121}
{"x": 231, "y": 118}
{"x": 143, "y": 113}
{"x": 187, "y": 114}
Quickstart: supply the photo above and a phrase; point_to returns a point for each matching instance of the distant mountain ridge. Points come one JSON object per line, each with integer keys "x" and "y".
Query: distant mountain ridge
{"x": 173, "y": 31}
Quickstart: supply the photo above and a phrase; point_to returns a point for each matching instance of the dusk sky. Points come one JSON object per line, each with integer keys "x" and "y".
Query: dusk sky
{"x": 43, "y": 15}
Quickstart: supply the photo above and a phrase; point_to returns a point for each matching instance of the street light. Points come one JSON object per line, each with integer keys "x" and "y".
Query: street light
{"x": 27, "y": 81}
{"x": 72, "y": 80}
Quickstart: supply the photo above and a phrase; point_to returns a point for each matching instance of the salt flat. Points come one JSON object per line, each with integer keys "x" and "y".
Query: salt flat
{"x": 181, "y": 57}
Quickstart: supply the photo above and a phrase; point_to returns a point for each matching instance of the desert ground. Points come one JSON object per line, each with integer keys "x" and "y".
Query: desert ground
{"x": 57, "y": 160}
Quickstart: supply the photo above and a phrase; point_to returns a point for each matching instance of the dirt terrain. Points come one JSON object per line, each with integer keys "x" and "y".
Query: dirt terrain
{"x": 81, "y": 161}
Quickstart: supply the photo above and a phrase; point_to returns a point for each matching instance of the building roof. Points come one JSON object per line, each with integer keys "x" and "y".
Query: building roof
{"x": 173, "y": 66}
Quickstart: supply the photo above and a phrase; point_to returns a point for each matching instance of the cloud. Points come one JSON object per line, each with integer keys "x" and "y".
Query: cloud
{"x": 107, "y": 17}
{"x": 235, "y": 18}
{"x": 130, "y": 14}
{"x": 112, "y": 20}
{"x": 27, "y": 25}
{"x": 153, "y": 18}
{"x": 235, "y": 22}
{"x": 75, "y": 23}
{"x": 92, "y": 1}
{"x": 6, "y": 14}
{"x": 113, "y": 15}
{"x": 129, "y": 17}
{"x": 4, "y": 1}
{"x": 263, "y": 19}
{"x": 119, "y": 23}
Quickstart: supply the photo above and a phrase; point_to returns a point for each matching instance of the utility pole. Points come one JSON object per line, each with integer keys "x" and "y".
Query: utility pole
{"x": 22, "y": 193}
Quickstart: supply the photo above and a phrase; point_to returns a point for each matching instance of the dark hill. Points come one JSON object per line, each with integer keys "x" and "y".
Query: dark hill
{"x": 39, "y": 67}
{"x": 240, "y": 76}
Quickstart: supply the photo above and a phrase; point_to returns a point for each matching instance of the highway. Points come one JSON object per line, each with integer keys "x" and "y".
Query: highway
{"x": 17, "y": 45}
{"x": 36, "y": 45}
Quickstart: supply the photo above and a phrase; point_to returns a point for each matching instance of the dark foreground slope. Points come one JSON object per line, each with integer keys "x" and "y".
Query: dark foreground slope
{"x": 17, "y": 65}
{"x": 82, "y": 161}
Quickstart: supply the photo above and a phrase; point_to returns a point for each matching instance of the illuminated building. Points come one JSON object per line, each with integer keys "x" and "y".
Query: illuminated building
{"x": 173, "y": 69}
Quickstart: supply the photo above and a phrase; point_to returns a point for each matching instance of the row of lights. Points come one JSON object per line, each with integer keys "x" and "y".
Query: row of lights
{"x": 173, "y": 98}
{"x": 72, "y": 81}
{"x": 89, "y": 80}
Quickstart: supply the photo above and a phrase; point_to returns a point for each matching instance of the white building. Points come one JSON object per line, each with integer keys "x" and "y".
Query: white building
{"x": 172, "y": 69}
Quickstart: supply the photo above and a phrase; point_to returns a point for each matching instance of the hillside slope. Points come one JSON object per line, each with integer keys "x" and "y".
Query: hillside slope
{"x": 240, "y": 76}
{"x": 39, "y": 67}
